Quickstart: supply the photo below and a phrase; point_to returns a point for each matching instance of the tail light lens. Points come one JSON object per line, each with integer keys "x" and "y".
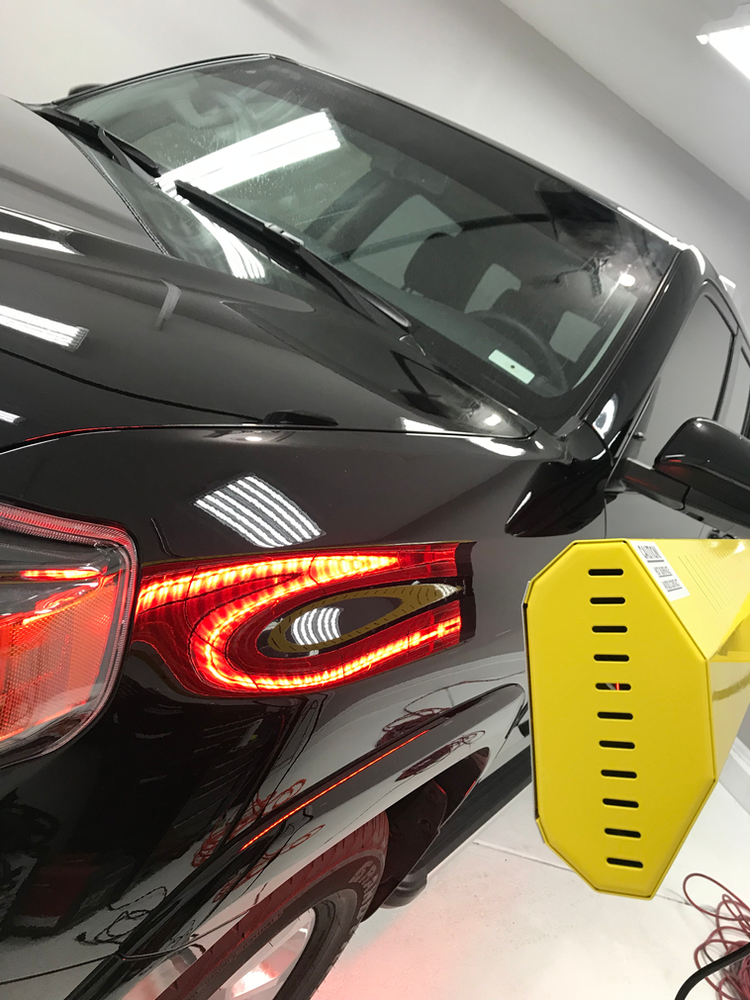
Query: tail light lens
{"x": 66, "y": 590}
{"x": 281, "y": 625}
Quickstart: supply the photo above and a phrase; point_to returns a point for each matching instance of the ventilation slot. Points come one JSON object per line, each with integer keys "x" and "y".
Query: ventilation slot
{"x": 616, "y": 745}
{"x": 615, "y": 715}
{"x": 622, "y": 803}
{"x": 611, "y": 657}
{"x": 605, "y": 572}
{"x": 612, "y": 832}
{"x": 613, "y": 686}
{"x": 607, "y": 600}
{"x": 619, "y": 774}
{"x": 624, "y": 863}
{"x": 609, "y": 628}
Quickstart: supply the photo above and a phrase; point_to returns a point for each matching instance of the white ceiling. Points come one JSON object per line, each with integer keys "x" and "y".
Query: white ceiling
{"x": 646, "y": 52}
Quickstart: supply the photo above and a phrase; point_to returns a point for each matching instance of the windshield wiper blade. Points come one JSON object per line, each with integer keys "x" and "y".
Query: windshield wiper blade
{"x": 273, "y": 237}
{"x": 120, "y": 150}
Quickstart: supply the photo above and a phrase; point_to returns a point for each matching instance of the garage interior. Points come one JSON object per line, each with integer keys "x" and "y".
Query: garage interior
{"x": 623, "y": 98}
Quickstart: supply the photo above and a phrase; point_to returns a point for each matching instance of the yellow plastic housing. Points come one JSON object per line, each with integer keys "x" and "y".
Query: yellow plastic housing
{"x": 639, "y": 668}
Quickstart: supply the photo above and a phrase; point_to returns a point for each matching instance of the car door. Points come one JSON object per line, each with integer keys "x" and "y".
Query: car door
{"x": 734, "y": 406}
{"x": 700, "y": 378}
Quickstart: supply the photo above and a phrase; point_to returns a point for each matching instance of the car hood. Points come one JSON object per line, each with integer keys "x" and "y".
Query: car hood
{"x": 43, "y": 174}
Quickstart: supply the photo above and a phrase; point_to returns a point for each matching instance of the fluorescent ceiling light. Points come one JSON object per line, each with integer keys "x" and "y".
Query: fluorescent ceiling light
{"x": 278, "y": 147}
{"x": 734, "y": 45}
{"x": 731, "y": 38}
{"x": 62, "y": 334}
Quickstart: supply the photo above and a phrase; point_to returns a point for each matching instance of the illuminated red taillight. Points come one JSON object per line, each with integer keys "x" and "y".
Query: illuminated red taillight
{"x": 66, "y": 591}
{"x": 238, "y": 627}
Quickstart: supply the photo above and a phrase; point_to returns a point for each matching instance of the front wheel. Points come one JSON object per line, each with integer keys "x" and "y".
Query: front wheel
{"x": 284, "y": 946}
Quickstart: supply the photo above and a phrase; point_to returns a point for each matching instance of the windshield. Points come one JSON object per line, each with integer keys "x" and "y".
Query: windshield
{"x": 516, "y": 282}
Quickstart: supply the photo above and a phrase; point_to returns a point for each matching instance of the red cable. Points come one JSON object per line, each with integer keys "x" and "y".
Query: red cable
{"x": 732, "y": 931}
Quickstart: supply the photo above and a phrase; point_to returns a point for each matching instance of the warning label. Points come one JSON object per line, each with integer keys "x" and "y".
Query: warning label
{"x": 660, "y": 569}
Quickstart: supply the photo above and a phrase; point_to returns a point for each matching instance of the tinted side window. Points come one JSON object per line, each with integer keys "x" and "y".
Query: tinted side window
{"x": 735, "y": 415}
{"x": 691, "y": 379}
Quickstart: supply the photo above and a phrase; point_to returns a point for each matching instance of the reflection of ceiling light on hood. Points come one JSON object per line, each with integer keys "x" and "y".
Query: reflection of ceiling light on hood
{"x": 490, "y": 444}
{"x": 278, "y": 147}
{"x": 417, "y": 427}
{"x": 261, "y": 514}
{"x": 62, "y": 334}
{"x": 36, "y": 241}
{"x": 52, "y": 226}
{"x": 9, "y": 418}
{"x": 731, "y": 38}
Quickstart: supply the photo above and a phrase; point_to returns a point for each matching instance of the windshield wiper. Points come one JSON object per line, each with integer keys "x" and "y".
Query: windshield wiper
{"x": 273, "y": 237}
{"x": 123, "y": 152}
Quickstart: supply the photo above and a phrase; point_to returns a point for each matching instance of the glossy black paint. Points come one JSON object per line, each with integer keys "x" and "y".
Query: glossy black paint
{"x": 712, "y": 466}
{"x": 269, "y": 351}
{"x": 171, "y": 806}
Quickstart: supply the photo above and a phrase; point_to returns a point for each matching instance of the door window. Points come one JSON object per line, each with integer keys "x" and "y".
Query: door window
{"x": 690, "y": 382}
{"x": 735, "y": 415}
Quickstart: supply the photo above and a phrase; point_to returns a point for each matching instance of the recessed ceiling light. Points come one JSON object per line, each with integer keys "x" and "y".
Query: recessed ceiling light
{"x": 731, "y": 38}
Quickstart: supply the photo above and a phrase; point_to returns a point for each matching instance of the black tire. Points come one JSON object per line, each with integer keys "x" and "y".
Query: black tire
{"x": 339, "y": 886}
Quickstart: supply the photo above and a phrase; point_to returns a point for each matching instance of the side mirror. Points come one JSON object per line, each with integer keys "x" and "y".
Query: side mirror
{"x": 704, "y": 470}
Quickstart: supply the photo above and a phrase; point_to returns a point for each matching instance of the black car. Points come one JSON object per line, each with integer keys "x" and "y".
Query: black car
{"x": 300, "y": 386}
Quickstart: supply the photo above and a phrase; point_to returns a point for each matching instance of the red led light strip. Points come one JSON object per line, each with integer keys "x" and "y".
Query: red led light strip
{"x": 214, "y": 663}
{"x": 193, "y": 615}
{"x": 305, "y": 573}
{"x": 82, "y": 573}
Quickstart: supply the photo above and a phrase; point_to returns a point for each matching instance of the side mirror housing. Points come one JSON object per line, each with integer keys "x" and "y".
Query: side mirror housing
{"x": 704, "y": 470}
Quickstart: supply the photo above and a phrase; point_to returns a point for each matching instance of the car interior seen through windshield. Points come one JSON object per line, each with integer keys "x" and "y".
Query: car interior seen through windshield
{"x": 517, "y": 282}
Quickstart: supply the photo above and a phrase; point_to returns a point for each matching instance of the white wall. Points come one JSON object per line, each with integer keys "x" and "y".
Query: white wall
{"x": 475, "y": 62}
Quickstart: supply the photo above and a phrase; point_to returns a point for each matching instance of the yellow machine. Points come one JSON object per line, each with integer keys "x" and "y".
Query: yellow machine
{"x": 639, "y": 666}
